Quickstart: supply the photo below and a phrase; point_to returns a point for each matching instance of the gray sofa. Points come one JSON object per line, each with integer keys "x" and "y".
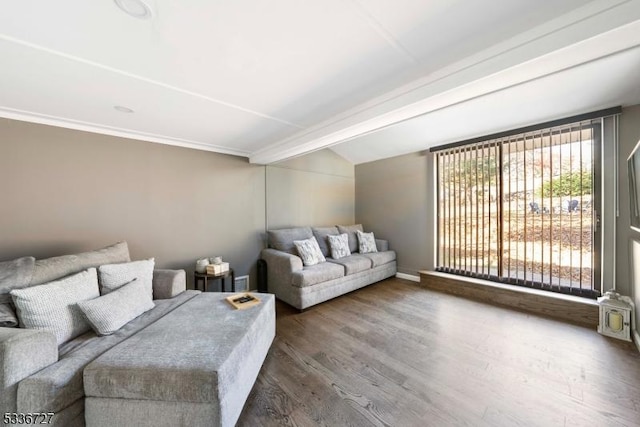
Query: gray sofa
{"x": 304, "y": 286}
{"x": 191, "y": 360}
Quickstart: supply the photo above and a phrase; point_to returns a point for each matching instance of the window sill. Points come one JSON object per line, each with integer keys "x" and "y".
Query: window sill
{"x": 569, "y": 308}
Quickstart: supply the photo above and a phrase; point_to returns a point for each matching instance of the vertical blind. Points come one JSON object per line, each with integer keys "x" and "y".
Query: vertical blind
{"x": 519, "y": 208}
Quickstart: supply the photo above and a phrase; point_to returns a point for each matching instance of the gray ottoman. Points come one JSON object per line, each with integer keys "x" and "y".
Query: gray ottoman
{"x": 193, "y": 367}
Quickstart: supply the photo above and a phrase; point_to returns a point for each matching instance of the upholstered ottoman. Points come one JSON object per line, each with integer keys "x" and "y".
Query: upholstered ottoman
{"x": 193, "y": 367}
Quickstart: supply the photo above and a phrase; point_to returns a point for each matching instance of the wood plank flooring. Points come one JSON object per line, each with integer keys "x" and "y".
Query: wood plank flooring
{"x": 396, "y": 354}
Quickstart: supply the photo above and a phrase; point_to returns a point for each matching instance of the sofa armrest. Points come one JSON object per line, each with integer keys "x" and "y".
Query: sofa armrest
{"x": 382, "y": 245}
{"x": 23, "y": 352}
{"x": 280, "y": 269}
{"x": 281, "y": 263}
{"x": 168, "y": 283}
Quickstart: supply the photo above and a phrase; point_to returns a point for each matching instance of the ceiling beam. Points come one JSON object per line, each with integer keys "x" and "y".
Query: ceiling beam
{"x": 594, "y": 31}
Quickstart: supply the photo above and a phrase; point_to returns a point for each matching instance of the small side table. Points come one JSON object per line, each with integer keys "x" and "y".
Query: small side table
{"x": 204, "y": 278}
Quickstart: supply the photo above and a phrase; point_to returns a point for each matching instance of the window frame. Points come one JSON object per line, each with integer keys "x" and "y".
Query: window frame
{"x": 597, "y": 157}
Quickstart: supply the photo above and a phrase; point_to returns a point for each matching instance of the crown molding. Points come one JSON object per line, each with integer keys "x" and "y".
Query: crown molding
{"x": 27, "y": 116}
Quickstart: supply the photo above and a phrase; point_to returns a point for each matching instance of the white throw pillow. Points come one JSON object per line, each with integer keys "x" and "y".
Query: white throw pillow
{"x": 309, "y": 251}
{"x": 339, "y": 246}
{"x": 113, "y": 276}
{"x": 53, "y": 306}
{"x": 366, "y": 242}
{"x": 110, "y": 312}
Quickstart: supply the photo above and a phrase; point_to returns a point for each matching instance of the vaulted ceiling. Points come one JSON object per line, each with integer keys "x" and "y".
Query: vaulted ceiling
{"x": 274, "y": 80}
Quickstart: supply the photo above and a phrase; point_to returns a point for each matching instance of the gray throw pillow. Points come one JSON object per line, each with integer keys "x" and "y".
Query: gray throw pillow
{"x": 309, "y": 251}
{"x": 15, "y": 274}
{"x": 282, "y": 239}
{"x": 366, "y": 242}
{"x": 351, "y": 231}
{"x": 321, "y": 234}
{"x": 110, "y": 312}
{"x": 54, "y": 306}
{"x": 113, "y": 276}
{"x": 339, "y": 246}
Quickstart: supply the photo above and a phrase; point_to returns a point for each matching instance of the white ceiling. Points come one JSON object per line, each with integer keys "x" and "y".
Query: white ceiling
{"x": 274, "y": 80}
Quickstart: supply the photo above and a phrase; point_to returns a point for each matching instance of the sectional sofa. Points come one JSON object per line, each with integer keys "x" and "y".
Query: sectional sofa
{"x": 189, "y": 359}
{"x": 304, "y": 286}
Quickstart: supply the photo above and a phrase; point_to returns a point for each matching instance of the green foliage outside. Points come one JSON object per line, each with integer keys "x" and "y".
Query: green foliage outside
{"x": 469, "y": 173}
{"x": 571, "y": 184}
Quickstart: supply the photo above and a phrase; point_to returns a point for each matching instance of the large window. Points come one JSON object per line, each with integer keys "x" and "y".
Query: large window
{"x": 521, "y": 208}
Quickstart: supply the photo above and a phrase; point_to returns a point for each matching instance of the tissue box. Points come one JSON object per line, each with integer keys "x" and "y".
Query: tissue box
{"x": 221, "y": 268}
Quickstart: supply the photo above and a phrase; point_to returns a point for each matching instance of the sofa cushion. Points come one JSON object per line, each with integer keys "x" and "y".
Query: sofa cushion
{"x": 53, "y": 306}
{"x": 282, "y": 240}
{"x": 381, "y": 258}
{"x": 366, "y": 242}
{"x": 309, "y": 251}
{"x": 216, "y": 362}
{"x": 113, "y": 276}
{"x": 59, "y": 385}
{"x": 321, "y": 234}
{"x": 14, "y": 274}
{"x": 317, "y": 274}
{"x": 351, "y": 231}
{"x": 339, "y": 245}
{"x": 353, "y": 264}
{"x": 55, "y": 268}
{"x": 110, "y": 312}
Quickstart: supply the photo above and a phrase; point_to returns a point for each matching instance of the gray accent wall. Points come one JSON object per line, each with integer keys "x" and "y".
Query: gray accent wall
{"x": 393, "y": 201}
{"x": 314, "y": 190}
{"x": 65, "y": 191}
{"x": 627, "y": 240}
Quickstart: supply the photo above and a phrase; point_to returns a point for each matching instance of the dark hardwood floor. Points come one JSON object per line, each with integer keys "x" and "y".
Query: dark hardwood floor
{"x": 396, "y": 354}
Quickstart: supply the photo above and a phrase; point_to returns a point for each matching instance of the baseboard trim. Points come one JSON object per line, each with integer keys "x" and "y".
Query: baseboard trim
{"x": 567, "y": 308}
{"x": 636, "y": 339}
{"x": 408, "y": 277}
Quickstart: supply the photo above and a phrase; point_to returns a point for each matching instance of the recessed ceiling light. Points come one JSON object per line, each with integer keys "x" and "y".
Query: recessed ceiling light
{"x": 123, "y": 109}
{"x": 136, "y": 8}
